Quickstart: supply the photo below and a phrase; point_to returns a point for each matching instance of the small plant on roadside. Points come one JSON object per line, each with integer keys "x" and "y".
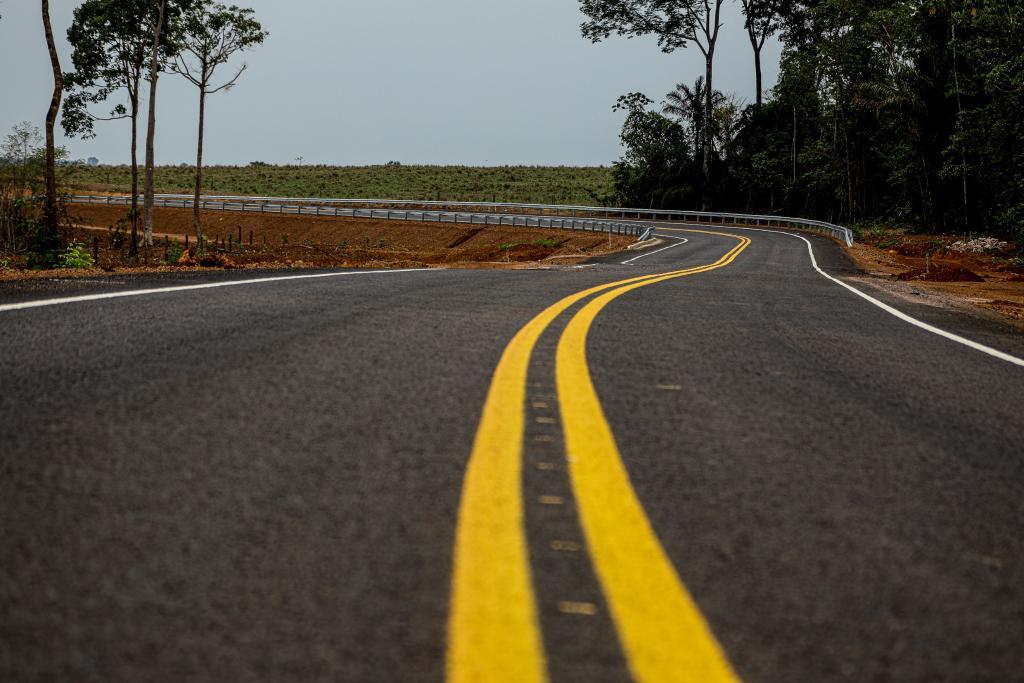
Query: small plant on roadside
{"x": 343, "y": 244}
{"x": 549, "y": 242}
{"x": 4, "y": 264}
{"x": 174, "y": 251}
{"x": 508, "y": 245}
{"x": 118, "y": 233}
{"x": 888, "y": 243}
{"x": 380, "y": 243}
{"x": 75, "y": 255}
{"x": 866, "y": 230}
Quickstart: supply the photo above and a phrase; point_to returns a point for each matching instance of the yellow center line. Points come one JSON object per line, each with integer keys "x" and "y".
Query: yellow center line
{"x": 493, "y": 628}
{"x": 663, "y": 634}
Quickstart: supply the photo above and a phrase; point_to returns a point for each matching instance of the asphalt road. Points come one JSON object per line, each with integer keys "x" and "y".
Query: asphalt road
{"x": 269, "y": 481}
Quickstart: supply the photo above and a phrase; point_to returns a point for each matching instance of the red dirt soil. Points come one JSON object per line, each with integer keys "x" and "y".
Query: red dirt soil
{"x": 989, "y": 281}
{"x": 435, "y": 241}
{"x": 275, "y": 241}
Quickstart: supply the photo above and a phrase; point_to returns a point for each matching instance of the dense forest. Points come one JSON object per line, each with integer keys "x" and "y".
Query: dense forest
{"x": 907, "y": 113}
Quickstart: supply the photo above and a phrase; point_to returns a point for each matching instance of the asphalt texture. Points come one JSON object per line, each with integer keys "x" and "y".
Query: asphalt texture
{"x": 262, "y": 482}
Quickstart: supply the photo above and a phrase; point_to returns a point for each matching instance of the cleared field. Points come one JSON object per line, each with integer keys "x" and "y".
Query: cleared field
{"x": 533, "y": 184}
{"x": 272, "y": 241}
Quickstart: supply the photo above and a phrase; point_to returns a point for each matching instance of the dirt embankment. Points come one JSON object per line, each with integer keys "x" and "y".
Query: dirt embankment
{"x": 992, "y": 279}
{"x": 273, "y": 241}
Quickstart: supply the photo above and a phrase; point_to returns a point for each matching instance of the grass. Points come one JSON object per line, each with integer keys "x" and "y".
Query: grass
{"x": 529, "y": 184}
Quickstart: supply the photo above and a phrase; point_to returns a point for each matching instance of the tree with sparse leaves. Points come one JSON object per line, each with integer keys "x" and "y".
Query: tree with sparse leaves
{"x": 676, "y": 24}
{"x": 109, "y": 43}
{"x": 163, "y": 29}
{"x": 762, "y": 20}
{"x": 210, "y": 35}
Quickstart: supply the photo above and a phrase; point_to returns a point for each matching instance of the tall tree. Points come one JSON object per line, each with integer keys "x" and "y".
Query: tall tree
{"x": 761, "y": 19}
{"x": 52, "y": 230}
{"x": 675, "y": 23}
{"x": 156, "y": 29}
{"x": 211, "y": 34}
{"x": 109, "y": 42}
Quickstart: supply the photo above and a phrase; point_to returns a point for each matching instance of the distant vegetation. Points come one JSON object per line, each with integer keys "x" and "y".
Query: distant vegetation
{"x": 532, "y": 184}
{"x": 895, "y": 113}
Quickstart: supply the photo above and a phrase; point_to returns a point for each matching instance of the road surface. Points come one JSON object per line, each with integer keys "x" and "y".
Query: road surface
{"x": 727, "y": 466}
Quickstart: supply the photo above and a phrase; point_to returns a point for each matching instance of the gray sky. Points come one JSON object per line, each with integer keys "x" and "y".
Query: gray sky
{"x": 342, "y": 82}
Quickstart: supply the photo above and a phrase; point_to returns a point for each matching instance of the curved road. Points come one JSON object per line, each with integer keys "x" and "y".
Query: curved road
{"x": 725, "y": 466}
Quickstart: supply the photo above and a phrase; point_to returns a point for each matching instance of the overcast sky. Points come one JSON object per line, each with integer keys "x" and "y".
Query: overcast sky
{"x": 477, "y": 82}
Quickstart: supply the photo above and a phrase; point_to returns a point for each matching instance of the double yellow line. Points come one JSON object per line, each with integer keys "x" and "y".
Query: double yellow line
{"x": 493, "y": 631}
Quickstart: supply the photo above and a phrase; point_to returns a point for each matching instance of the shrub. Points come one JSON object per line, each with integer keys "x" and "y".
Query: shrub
{"x": 174, "y": 251}
{"x": 75, "y": 255}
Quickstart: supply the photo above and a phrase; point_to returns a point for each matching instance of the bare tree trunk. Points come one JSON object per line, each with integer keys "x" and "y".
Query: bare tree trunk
{"x": 757, "y": 74}
{"x": 849, "y": 169}
{"x": 51, "y": 119}
{"x": 134, "y": 248}
{"x": 794, "y": 145}
{"x": 711, "y": 28}
{"x": 959, "y": 120}
{"x": 199, "y": 159}
{"x": 709, "y": 110}
{"x": 756, "y": 47}
{"x": 154, "y": 74}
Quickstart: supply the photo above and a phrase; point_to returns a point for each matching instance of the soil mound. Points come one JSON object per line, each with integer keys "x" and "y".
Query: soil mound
{"x": 937, "y": 273}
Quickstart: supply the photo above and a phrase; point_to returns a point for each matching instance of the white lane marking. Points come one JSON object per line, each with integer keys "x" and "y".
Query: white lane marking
{"x": 640, "y": 246}
{"x": 185, "y": 288}
{"x": 682, "y": 240}
{"x": 995, "y": 353}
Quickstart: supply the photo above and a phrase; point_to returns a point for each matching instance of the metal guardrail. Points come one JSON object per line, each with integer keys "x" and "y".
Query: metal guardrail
{"x": 260, "y": 205}
{"x": 840, "y": 233}
{"x": 622, "y": 221}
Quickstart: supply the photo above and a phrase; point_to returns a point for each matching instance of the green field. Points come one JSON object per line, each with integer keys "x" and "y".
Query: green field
{"x": 530, "y": 184}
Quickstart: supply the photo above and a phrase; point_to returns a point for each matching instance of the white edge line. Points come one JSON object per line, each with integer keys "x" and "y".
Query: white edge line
{"x": 682, "y": 241}
{"x": 995, "y": 353}
{"x": 184, "y": 288}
